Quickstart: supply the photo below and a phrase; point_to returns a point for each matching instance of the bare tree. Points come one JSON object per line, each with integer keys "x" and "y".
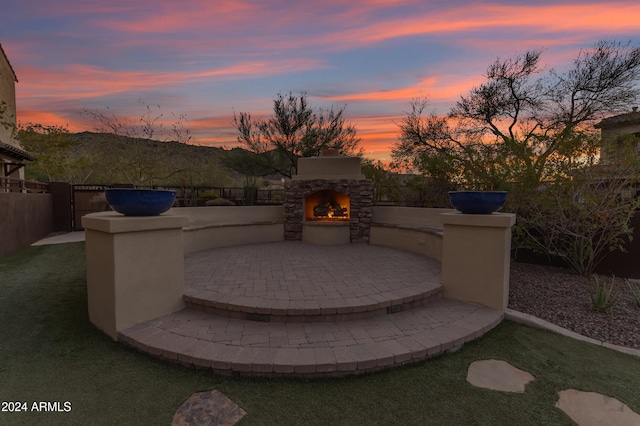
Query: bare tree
{"x": 145, "y": 158}
{"x": 520, "y": 125}
{"x": 148, "y": 126}
{"x": 532, "y": 132}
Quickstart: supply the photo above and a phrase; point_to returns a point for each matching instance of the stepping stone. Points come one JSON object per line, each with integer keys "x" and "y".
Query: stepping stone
{"x": 498, "y": 375}
{"x": 590, "y": 408}
{"x": 208, "y": 408}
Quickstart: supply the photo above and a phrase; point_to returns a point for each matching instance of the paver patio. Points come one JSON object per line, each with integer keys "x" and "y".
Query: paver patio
{"x": 296, "y": 309}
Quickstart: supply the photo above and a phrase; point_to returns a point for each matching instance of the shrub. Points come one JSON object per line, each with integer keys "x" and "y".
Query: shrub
{"x": 585, "y": 215}
{"x": 601, "y": 295}
{"x": 635, "y": 290}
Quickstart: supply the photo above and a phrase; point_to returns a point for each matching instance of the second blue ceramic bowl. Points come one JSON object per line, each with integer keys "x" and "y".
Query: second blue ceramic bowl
{"x": 477, "y": 202}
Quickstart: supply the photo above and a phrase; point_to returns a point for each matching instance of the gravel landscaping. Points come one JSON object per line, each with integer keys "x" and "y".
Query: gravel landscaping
{"x": 561, "y": 297}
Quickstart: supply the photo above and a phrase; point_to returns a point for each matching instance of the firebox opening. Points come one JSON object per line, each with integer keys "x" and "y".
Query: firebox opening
{"x": 327, "y": 205}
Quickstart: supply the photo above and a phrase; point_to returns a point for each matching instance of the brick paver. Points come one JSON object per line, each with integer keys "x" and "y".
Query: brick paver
{"x": 292, "y": 278}
{"x": 332, "y": 307}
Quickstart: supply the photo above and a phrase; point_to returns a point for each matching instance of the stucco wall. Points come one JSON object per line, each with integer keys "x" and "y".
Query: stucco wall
{"x": 135, "y": 265}
{"x": 210, "y": 227}
{"x": 414, "y": 229}
{"x": 413, "y": 217}
{"x": 8, "y": 96}
{"x": 8, "y": 104}
{"x": 25, "y": 218}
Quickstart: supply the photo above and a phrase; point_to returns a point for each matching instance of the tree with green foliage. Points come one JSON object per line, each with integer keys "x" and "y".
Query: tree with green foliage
{"x": 532, "y": 133}
{"x": 56, "y": 153}
{"x": 387, "y": 188}
{"x": 248, "y": 164}
{"x": 295, "y": 130}
{"x": 252, "y": 166}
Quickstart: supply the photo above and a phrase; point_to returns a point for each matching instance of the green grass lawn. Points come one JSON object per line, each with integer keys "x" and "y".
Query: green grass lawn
{"x": 49, "y": 351}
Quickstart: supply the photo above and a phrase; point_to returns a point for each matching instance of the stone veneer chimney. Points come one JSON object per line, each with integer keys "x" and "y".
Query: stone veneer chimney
{"x": 328, "y": 172}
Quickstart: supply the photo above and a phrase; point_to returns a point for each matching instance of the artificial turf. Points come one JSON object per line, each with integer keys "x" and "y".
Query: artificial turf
{"x": 50, "y": 352}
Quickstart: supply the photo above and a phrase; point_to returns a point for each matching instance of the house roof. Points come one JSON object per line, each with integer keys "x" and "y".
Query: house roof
{"x": 7, "y": 59}
{"x": 14, "y": 153}
{"x": 632, "y": 117}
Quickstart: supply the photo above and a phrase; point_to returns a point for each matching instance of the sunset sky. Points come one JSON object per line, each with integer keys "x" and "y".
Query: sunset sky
{"x": 207, "y": 59}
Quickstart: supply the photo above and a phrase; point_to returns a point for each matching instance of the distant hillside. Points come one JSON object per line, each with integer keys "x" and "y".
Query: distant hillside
{"x": 113, "y": 158}
{"x": 93, "y": 140}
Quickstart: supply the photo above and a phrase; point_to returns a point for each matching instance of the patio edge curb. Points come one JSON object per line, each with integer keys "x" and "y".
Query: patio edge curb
{"x": 536, "y": 322}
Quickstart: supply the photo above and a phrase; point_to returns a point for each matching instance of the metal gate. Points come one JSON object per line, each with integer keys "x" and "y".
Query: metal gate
{"x": 87, "y": 199}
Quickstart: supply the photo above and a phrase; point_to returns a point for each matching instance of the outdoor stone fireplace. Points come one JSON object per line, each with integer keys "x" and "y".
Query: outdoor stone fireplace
{"x": 328, "y": 201}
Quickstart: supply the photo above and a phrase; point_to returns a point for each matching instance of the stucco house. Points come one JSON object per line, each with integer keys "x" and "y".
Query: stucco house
{"x": 614, "y": 128}
{"x": 12, "y": 156}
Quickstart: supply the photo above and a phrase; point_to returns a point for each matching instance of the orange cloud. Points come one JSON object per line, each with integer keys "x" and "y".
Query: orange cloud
{"x": 219, "y": 128}
{"x": 336, "y": 25}
{"x": 208, "y": 31}
{"x": 435, "y": 88}
{"x": 82, "y": 81}
{"x": 46, "y": 118}
{"x": 204, "y": 15}
{"x": 580, "y": 17}
{"x": 584, "y": 19}
{"x": 378, "y": 134}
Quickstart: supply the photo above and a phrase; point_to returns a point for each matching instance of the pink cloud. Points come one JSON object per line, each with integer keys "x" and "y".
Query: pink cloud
{"x": 436, "y": 88}
{"x": 165, "y": 17}
{"x": 47, "y": 118}
{"x": 264, "y": 36}
{"x": 83, "y": 81}
{"x": 582, "y": 18}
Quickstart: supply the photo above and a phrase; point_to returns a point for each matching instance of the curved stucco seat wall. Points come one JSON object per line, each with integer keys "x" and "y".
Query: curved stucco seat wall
{"x": 135, "y": 265}
{"x": 218, "y": 226}
{"x": 414, "y": 229}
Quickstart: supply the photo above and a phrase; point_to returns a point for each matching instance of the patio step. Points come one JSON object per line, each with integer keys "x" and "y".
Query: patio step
{"x": 294, "y": 281}
{"x": 236, "y": 346}
{"x": 291, "y": 309}
{"x": 312, "y": 309}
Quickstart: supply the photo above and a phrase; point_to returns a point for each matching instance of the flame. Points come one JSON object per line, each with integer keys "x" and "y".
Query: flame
{"x": 327, "y": 205}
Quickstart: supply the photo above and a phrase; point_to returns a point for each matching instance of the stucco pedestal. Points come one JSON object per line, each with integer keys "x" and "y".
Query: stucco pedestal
{"x": 476, "y": 258}
{"x": 135, "y": 268}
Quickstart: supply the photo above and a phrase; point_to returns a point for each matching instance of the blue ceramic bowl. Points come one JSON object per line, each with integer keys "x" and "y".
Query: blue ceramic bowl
{"x": 477, "y": 202}
{"x": 140, "y": 202}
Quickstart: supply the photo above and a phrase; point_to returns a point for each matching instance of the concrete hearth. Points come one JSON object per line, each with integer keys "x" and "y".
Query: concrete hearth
{"x": 326, "y": 233}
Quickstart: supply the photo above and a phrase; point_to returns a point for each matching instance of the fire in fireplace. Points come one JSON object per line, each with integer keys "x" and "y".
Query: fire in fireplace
{"x": 327, "y": 205}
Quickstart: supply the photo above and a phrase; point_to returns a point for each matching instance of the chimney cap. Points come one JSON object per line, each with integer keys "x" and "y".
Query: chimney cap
{"x": 634, "y": 109}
